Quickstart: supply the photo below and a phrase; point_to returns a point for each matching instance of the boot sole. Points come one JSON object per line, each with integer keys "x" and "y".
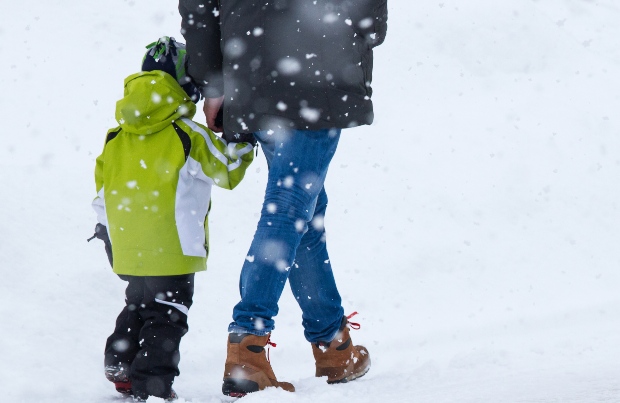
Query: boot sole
{"x": 120, "y": 379}
{"x": 238, "y": 387}
{"x": 350, "y": 378}
{"x": 123, "y": 388}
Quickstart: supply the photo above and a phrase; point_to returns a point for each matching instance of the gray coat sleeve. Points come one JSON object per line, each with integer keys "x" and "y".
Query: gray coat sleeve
{"x": 200, "y": 27}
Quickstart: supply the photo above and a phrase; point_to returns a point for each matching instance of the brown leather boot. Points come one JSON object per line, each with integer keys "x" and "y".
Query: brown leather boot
{"x": 247, "y": 369}
{"x": 339, "y": 359}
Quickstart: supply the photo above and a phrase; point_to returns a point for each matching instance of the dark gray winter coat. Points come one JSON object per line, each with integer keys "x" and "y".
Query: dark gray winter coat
{"x": 301, "y": 64}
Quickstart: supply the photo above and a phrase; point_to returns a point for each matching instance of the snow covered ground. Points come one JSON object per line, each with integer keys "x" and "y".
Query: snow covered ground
{"x": 475, "y": 226}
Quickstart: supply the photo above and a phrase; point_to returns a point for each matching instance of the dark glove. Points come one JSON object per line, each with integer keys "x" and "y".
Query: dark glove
{"x": 101, "y": 232}
{"x": 232, "y": 137}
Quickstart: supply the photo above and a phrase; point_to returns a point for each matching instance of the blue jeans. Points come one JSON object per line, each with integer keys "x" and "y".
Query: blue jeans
{"x": 289, "y": 242}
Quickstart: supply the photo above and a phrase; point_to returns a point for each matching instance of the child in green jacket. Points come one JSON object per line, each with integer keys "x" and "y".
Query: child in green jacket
{"x": 154, "y": 180}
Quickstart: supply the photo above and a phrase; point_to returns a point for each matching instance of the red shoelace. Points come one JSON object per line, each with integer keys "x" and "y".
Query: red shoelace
{"x": 353, "y": 325}
{"x": 272, "y": 344}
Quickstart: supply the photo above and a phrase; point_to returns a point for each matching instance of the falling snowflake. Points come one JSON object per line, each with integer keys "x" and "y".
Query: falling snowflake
{"x": 289, "y": 66}
{"x": 310, "y": 114}
{"x": 365, "y": 23}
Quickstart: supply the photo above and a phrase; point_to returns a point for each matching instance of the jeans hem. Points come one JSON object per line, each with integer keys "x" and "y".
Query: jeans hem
{"x": 234, "y": 328}
{"x": 329, "y": 339}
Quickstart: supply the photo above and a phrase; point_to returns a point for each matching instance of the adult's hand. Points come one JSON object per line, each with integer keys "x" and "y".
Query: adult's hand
{"x": 211, "y": 108}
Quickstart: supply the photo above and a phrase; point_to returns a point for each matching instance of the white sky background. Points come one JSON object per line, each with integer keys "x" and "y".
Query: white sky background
{"x": 474, "y": 226}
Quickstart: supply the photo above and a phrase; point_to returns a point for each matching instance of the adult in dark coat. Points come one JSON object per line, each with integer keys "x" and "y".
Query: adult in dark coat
{"x": 289, "y": 63}
{"x": 292, "y": 74}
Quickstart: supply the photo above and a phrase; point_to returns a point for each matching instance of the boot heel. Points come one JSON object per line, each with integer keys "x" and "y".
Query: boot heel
{"x": 238, "y": 387}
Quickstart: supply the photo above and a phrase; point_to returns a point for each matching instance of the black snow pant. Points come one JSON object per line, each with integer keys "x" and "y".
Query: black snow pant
{"x": 149, "y": 330}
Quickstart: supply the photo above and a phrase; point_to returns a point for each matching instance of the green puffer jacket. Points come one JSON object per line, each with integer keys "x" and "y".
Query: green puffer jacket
{"x": 154, "y": 179}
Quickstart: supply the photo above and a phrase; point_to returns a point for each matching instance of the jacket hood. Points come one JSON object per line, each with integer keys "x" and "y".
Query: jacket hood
{"x": 152, "y": 101}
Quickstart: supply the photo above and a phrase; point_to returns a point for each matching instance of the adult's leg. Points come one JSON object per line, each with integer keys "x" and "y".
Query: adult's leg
{"x": 312, "y": 280}
{"x": 313, "y": 285}
{"x": 298, "y": 163}
{"x": 165, "y": 306}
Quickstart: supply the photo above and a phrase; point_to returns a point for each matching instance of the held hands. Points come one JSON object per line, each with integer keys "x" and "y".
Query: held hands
{"x": 213, "y": 113}
{"x": 211, "y": 108}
